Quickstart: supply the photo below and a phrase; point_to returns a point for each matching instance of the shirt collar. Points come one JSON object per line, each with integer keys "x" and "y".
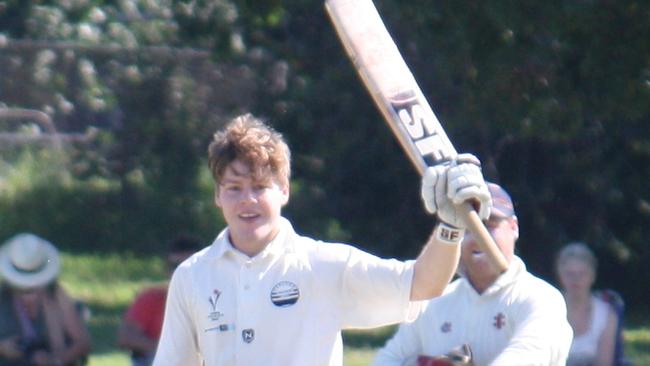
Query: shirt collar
{"x": 282, "y": 243}
{"x": 515, "y": 268}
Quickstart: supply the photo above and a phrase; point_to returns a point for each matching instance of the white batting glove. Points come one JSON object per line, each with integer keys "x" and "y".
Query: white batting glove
{"x": 446, "y": 186}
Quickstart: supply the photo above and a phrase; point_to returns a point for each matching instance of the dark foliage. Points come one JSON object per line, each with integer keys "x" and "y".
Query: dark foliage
{"x": 552, "y": 96}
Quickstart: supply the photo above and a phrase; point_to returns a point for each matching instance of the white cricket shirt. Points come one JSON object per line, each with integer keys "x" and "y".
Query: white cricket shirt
{"x": 585, "y": 346}
{"x": 285, "y": 306}
{"x": 519, "y": 320}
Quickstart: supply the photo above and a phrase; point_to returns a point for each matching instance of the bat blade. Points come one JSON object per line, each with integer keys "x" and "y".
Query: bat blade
{"x": 397, "y": 95}
{"x": 390, "y": 82}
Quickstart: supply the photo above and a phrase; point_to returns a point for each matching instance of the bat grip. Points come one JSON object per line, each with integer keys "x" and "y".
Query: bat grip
{"x": 483, "y": 237}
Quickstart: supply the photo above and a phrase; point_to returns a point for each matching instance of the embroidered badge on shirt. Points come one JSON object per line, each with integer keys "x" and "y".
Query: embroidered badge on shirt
{"x": 499, "y": 320}
{"x": 248, "y": 335}
{"x": 221, "y": 328}
{"x": 215, "y": 314}
{"x": 284, "y": 294}
{"x": 445, "y": 327}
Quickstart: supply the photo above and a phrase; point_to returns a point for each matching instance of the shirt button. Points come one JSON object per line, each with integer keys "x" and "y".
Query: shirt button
{"x": 247, "y": 287}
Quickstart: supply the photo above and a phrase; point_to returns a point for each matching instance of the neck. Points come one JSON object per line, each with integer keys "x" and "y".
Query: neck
{"x": 480, "y": 285}
{"x": 577, "y": 299}
{"x": 250, "y": 246}
{"x": 31, "y": 308}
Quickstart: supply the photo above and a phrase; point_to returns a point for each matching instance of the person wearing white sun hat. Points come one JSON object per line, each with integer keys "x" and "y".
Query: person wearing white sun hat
{"x": 39, "y": 323}
{"x": 28, "y": 261}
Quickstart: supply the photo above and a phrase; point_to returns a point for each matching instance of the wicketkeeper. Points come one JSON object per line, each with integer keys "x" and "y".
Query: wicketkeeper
{"x": 485, "y": 317}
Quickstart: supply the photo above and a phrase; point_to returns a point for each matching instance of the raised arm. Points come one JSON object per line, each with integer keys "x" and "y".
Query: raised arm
{"x": 444, "y": 188}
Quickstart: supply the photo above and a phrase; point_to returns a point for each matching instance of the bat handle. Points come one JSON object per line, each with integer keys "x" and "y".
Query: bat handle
{"x": 483, "y": 237}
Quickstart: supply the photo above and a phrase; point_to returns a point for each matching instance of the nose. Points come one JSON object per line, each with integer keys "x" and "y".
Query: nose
{"x": 248, "y": 195}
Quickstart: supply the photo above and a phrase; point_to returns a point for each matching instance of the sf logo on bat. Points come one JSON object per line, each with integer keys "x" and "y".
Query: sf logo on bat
{"x": 422, "y": 127}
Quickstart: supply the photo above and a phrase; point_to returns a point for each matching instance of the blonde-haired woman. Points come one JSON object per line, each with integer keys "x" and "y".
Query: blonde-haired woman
{"x": 593, "y": 320}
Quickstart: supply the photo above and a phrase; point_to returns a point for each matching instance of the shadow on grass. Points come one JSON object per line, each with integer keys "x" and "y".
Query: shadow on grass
{"x": 368, "y": 338}
{"x": 637, "y": 338}
{"x": 103, "y": 324}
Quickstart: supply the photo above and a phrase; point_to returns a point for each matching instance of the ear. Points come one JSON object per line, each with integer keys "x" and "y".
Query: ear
{"x": 514, "y": 225}
{"x": 284, "y": 189}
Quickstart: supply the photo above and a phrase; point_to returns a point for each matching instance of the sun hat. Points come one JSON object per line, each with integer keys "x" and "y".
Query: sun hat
{"x": 501, "y": 202}
{"x": 28, "y": 261}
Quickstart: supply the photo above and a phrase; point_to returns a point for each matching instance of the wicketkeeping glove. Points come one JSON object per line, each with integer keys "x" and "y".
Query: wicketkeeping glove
{"x": 459, "y": 356}
{"x": 446, "y": 186}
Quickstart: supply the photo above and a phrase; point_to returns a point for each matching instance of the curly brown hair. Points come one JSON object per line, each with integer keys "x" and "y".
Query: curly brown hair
{"x": 256, "y": 144}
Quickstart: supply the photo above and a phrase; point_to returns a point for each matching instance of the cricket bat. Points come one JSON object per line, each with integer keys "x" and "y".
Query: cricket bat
{"x": 399, "y": 98}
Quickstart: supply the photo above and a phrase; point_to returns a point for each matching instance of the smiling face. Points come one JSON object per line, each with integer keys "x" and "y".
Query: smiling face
{"x": 476, "y": 264}
{"x": 251, "y": 205}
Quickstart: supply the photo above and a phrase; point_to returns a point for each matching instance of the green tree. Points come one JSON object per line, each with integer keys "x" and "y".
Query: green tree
{"x": 552, "y": 96}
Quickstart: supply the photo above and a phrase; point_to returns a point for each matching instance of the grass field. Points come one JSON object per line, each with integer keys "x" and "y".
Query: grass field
{"x": 108, "y": 283}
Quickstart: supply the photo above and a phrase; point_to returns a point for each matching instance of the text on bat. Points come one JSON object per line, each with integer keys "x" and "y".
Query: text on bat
{"x": 421, "y": 128}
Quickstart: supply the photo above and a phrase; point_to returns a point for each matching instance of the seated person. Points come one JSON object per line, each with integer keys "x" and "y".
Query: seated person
{"x": 486, "y": 317}
{"x": 141, "y": 325}
{"x": 593, "y": 320}
{"x": 39, "y": 322}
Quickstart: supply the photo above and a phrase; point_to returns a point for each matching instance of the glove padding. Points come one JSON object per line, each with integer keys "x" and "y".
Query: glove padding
{"x": 459, "y": 356}
{"x": 444, "y": 187}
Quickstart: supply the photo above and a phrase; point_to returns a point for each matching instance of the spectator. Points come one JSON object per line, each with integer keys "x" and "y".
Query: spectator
{"x": 140, "y": 328}
{"x": 262, "y": 294}
{"x": 593, "y": 320}
{"x": 39, "y": 323}
{"x": 486, "y": 317}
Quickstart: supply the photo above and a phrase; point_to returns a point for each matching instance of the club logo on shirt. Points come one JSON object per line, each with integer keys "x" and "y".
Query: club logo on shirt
{"x": 215, "y": 314}
{"x": 499, "y": 320}
{"x": 221, "y": 328}
{"x": 445, "y": 327}
{"x": 285, "y": 294}
{"x": 248, "y": 335}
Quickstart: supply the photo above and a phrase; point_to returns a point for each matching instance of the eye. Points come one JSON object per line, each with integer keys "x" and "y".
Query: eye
{"x": 260, "y": 187}
{"x": 231, "y": 188}
{"x": 493, "y": 223}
